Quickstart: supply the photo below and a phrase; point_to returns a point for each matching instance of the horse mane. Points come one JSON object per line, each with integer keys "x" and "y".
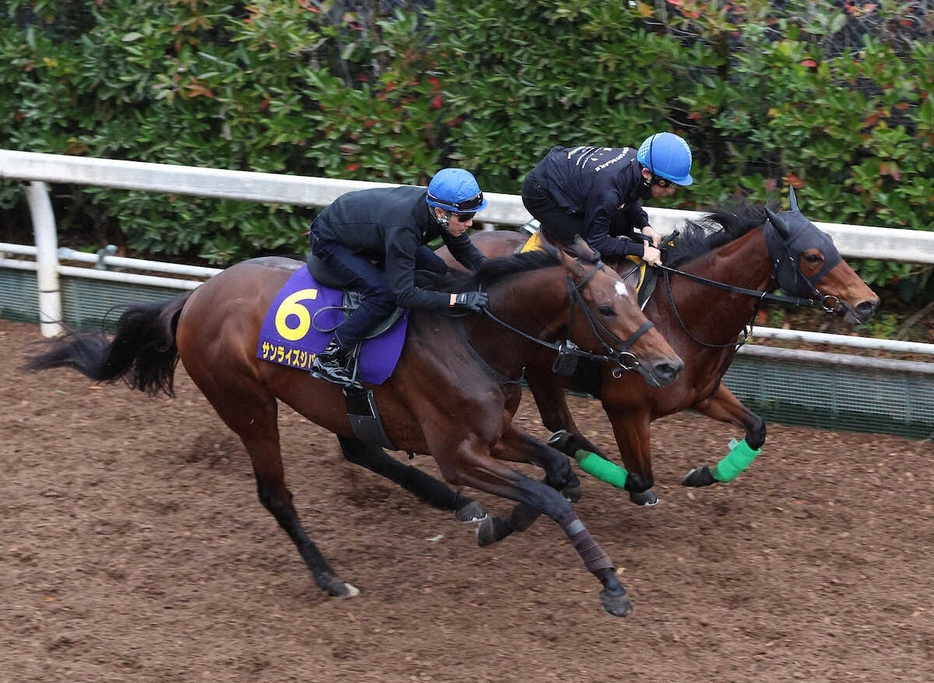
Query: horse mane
{"x": 712, "y": 230}
{"x": 494, "y": 269}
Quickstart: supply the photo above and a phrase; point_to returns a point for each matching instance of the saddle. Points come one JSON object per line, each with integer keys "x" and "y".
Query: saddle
{"x": 635, "y": 273}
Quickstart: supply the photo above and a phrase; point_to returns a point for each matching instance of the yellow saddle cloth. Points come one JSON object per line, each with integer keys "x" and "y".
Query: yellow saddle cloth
{"x": 536, "y": 241}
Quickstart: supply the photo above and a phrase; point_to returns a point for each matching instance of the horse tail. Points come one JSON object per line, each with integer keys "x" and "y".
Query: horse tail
{"x": 142, "y": 352}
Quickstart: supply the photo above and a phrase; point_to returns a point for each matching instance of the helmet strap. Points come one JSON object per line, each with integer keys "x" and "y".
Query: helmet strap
{"x": 444, "y": 220}
{"x": 645, "y": 187}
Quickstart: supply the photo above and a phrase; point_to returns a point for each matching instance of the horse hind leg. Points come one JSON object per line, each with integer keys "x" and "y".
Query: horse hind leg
{"x": 277, "y": 499}
{"x": 535, "y": 498}
{"x": 430, "y": 490}
{"x": 252, "y": 413}
{"x": 517, "y": 446}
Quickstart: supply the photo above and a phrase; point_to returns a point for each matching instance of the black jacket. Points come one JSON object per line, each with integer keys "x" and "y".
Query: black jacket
{"x": 388, "y": 225}
{"x": 601, "y": 184}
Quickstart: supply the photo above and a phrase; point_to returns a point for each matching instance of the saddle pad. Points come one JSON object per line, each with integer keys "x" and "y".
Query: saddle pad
{"x": 536, "y": 242}
{"x": 296, "y": 328}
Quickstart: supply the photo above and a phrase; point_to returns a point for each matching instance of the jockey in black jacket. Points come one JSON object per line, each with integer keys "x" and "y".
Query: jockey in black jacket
{"x": 595, "y": 192}
{"x": 376, "y": 239}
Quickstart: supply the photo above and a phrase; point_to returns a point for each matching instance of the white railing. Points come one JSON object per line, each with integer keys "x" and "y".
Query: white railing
{"x": 853, "y": 241}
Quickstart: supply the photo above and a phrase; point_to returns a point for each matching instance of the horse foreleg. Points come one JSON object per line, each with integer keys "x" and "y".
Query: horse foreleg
{"x": 552, "y": 405}
{"x": 518, "y": 446}
{"x": 430, "y": 490}
{"x": 483, "y": 472}
{"x": 723, "y": 406}
{"x": 633, "y": 438}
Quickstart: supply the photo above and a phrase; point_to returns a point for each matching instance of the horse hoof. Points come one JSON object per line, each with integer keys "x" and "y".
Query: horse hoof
{"x": 486, "y": 533}
{"x": 340, "y": 589}
{"x": 560, "y": 441}
{"x": 617, "y": 605}
{"x": 471, "y": 513}
{"x": 572, "y": 493}
{"x": 644, "y": 498}
{"x": 699, "y": 476}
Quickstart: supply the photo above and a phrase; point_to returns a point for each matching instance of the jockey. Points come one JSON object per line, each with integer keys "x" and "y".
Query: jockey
{"x": 376, "y": 239}
{"x": 595, "y": 192}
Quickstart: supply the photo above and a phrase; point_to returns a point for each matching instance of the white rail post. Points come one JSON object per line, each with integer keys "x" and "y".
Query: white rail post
{"x": 46, "y": 234}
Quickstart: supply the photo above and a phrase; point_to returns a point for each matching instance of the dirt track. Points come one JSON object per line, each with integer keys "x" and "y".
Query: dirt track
{"x": 133, "y": 548}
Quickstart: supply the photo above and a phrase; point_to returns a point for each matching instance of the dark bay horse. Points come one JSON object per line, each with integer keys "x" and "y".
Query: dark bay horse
{"x": 452, "y": 395}
{"x": 719, "y": 272}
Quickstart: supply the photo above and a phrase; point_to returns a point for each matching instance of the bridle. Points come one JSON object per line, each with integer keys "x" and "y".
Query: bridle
{"x": 786, "y": 274}
{"x": 615, "y": 350}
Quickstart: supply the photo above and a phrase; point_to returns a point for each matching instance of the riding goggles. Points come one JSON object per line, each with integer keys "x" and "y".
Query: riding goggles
{"x": 661, "y": 182}
{"x": 461, "y": 207}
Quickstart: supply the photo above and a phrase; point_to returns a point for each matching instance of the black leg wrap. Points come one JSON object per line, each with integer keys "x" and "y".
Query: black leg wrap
{"x": 596, "y": 561}
{"x": 491, "y": 530}
{"x": 427, "y": 488}
{"x": 436, "y": 493}
{"x": 699, "y": 476}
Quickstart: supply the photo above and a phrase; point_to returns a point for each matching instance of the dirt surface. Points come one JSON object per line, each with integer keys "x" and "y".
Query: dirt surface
{"x": 133, "y": 548}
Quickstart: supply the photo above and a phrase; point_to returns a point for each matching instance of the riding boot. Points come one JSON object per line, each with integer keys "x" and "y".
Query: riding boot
{"x": 334, "y": 365}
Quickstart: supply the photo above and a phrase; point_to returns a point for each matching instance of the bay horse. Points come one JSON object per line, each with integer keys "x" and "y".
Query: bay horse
{"x": 452, "y": 395}
{"x": 716, "y": 274}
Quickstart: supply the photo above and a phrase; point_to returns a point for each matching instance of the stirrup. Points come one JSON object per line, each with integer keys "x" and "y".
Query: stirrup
{"x": 336, "y": 375}
{"x": 332, "y": 368}
{"x": 340, "y": 380}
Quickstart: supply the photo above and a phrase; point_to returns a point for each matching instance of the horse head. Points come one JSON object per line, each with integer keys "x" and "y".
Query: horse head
{"x": 613, "y": 323}
{"x": 808, "y": 264}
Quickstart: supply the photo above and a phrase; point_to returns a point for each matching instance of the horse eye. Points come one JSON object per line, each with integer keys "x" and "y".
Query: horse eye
{"x": 813, "y": 258}
{"x": 606, "y": 311}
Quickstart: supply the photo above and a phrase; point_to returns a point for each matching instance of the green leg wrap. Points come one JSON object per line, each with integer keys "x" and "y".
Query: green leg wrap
{"x": 735, "y": 461}
{"x": 602, "y": 469}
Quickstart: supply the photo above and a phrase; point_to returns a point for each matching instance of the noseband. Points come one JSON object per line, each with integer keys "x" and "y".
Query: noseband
{"x": 618, "y": 352}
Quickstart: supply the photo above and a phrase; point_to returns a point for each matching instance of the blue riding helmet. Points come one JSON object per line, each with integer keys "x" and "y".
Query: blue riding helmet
{"x": 667, "y": 155}
{"x": 455, "y": 190}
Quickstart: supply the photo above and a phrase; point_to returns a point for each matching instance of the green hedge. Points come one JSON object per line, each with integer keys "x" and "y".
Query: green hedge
{"x": 832, "y": 97}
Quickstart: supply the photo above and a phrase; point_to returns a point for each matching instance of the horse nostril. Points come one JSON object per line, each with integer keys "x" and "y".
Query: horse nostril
{"x": 867, "y": 308}
{"x": 667, "y": 372}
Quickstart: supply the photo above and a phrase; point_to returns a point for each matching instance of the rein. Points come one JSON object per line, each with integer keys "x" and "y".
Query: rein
{"x": 622, "y": 357}
{"x": 747, "y": 328}
{"x": 762, "y": 296}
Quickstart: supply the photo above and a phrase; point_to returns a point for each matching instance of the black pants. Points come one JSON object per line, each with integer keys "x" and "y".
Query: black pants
{"x": 558, "y": 226}
{"x": 361, "y": 275}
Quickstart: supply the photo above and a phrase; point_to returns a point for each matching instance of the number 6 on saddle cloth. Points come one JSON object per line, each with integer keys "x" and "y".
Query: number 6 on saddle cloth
{"x": 299, "y": 323}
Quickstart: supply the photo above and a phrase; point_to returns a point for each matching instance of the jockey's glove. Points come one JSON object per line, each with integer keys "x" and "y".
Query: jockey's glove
{"x": 474, "y": 302}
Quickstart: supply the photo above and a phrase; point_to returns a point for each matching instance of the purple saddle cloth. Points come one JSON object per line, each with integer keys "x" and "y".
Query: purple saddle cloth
{"x": 299, "y": 323}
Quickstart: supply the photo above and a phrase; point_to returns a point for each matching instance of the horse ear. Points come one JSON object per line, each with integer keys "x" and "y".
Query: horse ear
{"x": 792, "y": 200}
{"x": 778, "y": 223}
{"x": 548, "y": 247}
{"x": 580, "y": 249}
